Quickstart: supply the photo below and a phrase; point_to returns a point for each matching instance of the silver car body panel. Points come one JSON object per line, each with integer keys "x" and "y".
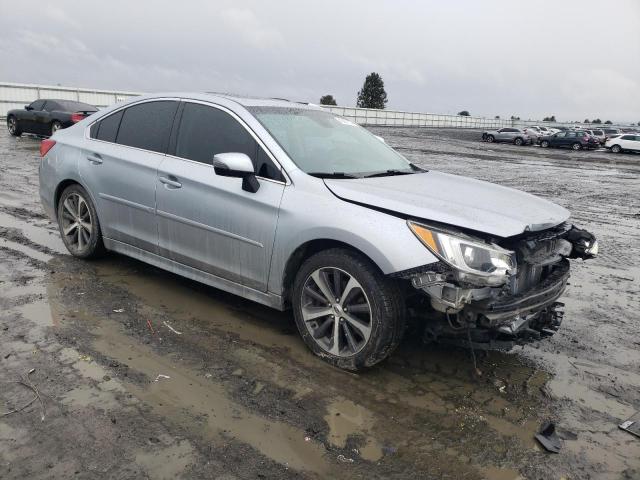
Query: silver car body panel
{"x": 211, "y": 230}
{"x": 454, "y": 200}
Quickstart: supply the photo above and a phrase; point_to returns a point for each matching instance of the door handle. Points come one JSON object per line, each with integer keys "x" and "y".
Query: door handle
{"x": 95, "y": 159}
{"x": 170, "y": 181}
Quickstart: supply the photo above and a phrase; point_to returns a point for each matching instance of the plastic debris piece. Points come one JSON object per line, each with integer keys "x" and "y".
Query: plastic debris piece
{"x": 632, "y": 425}
{"x": 171, "y": 328}
{"x": 548, "y": 438}
{"x": 150, "y": 327}
{"x": 343, "y": 459}
{"x": 160, "y": 376}
{"x": 118, "y": 310}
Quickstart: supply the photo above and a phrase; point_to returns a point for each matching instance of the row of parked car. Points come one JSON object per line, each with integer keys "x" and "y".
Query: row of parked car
{"x": 575, "y": 138}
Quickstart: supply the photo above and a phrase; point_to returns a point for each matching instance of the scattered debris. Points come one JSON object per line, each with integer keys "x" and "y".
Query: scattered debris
{"x": 207, "y": 375}
{"x": 118, "y": 310}
{"x": 632, "y": 425}
{"x": 343, "y": 459}
{"x": 171, "y": 328}
{"x": 548, "y": 438}
{"x": 25, "y": 382}
{"x": 150, "y": 327}
{"x": 389, "y": 450}
{"x": 161, "y": 376}
{"x": 307, "y": 439}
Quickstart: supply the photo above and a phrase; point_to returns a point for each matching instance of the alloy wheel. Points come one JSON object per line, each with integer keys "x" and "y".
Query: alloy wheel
{"x": 11, "y": 124}
{"x": 336, "y": 311}
{"x": 76, "y": 222}
{"x": 55, "y": 126}
{"x": 576, "y": 146}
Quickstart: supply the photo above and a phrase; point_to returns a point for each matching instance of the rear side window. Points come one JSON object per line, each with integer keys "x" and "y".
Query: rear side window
{"x": 627, "y": 137}
{"x": 50, "y": 106}
{"x": 206, "y": 131}
{"x": 107, "y": 129}
{"x": 147, "y": 125}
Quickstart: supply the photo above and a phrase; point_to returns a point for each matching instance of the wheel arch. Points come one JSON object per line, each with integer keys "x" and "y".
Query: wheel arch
{"x": 62, "y": 186}
{"x": 305, "y": 251}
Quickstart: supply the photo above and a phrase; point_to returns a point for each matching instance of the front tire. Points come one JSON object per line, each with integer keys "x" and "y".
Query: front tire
{"x": 544, "y": 144}
{"x": 616, "y": 149}
{"x": 518, "y": 141}
{"x": 347, "y": 312}
{"x": 78, "y": 223}
{"x": 13, "y": 127}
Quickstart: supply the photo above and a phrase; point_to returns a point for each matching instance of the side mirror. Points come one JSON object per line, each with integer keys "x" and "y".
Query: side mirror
{"x": 237, "y": 165}
{"x": 28, "y": 107}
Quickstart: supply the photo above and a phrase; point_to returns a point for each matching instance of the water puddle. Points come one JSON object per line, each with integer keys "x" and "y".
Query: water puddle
{"x": 38, "y": 234}
{"x": 38, "y": 312}
{"x": 346, "y": 419}
{"x": 167, "y": 462}
{"x": 28, "y": 251}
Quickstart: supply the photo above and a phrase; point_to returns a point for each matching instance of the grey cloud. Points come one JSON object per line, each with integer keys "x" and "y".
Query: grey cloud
{"x": 491, "y": 58}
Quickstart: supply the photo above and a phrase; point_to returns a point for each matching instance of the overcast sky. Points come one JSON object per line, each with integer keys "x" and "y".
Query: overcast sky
{"x": 575, "y": 59}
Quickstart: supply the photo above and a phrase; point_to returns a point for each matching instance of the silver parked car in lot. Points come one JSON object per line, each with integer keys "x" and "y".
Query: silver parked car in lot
{"x": 293, "y": 207}
{"x": 509, "y": 135}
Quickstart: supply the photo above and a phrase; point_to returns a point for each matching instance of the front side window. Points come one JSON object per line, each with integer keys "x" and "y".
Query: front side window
{"x": 561, "y": 134}
{"x": 627, "y": 137}
{"x": 321, "y": 143}
{"x": 206, "y": 131}
{"x": 50, "y": 106}
{"x": 147, "y": 125}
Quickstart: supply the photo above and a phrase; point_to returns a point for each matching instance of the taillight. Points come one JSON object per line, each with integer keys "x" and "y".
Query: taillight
{"x": 46, "y": 145}
{"x": 76, "y": 117}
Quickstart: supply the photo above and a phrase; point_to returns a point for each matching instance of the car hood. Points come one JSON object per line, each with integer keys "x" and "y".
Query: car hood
{"x": 453, "y": 200}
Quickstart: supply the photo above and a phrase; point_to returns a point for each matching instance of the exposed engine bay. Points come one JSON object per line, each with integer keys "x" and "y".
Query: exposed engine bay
{"x": 494, "y": 293}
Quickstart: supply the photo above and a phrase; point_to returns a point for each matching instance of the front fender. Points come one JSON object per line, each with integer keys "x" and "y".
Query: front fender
{"x": 307, "y": 215}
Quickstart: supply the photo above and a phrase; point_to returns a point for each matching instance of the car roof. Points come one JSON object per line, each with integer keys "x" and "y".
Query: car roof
{"x": 245, "y": 101}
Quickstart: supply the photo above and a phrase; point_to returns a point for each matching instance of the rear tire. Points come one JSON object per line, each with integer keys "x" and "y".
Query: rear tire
{"x": 544, "y": 144}
{"x": 491, "y": 138}
{"x": 576, "y": 146}
{"x": 78, "y": 223}
{"x": 347, "y": 312}
{"x": 55, "y": 126}
{"x": 616, "y": 149}
{"x": 13, "y": 127}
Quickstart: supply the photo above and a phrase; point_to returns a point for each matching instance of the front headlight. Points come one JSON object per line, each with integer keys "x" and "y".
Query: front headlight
{"x": 473, "y": 258}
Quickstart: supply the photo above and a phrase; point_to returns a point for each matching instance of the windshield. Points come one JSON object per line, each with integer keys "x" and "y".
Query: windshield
{"x": 323, "y": 144}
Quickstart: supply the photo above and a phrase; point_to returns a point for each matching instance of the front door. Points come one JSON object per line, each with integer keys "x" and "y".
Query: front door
{"x": 208, "y": 221}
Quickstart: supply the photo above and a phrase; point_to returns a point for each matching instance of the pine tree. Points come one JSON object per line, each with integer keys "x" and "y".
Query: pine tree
{"x": 372, "y": 94}
{"x": 327, "y": 100}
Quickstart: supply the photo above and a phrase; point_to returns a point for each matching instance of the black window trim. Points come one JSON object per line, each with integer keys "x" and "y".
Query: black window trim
{"x": 176, "y": 118}
{"x": 258, "y": 140}
{"x": 87, "y": 130}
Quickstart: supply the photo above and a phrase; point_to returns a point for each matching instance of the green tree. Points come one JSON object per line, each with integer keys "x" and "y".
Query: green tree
{"x": 639, "y": 124}
{"x": 596, "y": 120}
{"x": 464, "y": 113}
{"x": 552, "y": 118}
{"x": 372, "y": 93}
{"x": 327, "y": 100}
{"x": 586, "y": 120}
{"x": 514, "y": 118}
{"x": 497, "y": 117}
{"x": 608, "y": 122}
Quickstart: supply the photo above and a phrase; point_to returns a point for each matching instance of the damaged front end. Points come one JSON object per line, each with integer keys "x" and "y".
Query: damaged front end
{"x": 494, "y": 293}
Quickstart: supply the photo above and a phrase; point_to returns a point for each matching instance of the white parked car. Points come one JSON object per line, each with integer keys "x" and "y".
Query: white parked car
{"x": 628, "y": 142}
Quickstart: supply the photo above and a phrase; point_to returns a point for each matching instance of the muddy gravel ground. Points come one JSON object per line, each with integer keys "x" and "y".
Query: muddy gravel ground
{"x": 143, "y": 374}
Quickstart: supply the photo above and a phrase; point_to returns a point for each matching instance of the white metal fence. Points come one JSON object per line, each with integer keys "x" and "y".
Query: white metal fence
{"x": 17, "y": 95}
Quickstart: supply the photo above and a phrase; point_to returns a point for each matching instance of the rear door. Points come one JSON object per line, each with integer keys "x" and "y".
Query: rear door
{"x": 120, "y": 164}
{"x": 208, "y": 221}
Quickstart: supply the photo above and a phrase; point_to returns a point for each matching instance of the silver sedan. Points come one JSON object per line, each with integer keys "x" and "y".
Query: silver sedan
{"x": 293, "y": 207}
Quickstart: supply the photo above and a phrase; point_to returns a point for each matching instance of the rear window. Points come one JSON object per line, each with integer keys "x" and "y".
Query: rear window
{"x": 147, "y": 125}
{"x": 598, "y": 132}
{"x": 71, "y": 106}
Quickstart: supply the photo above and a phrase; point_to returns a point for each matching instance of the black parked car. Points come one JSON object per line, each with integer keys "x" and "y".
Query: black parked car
{"x": 577, "y": 140}
{"x": 45, "y": 117}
